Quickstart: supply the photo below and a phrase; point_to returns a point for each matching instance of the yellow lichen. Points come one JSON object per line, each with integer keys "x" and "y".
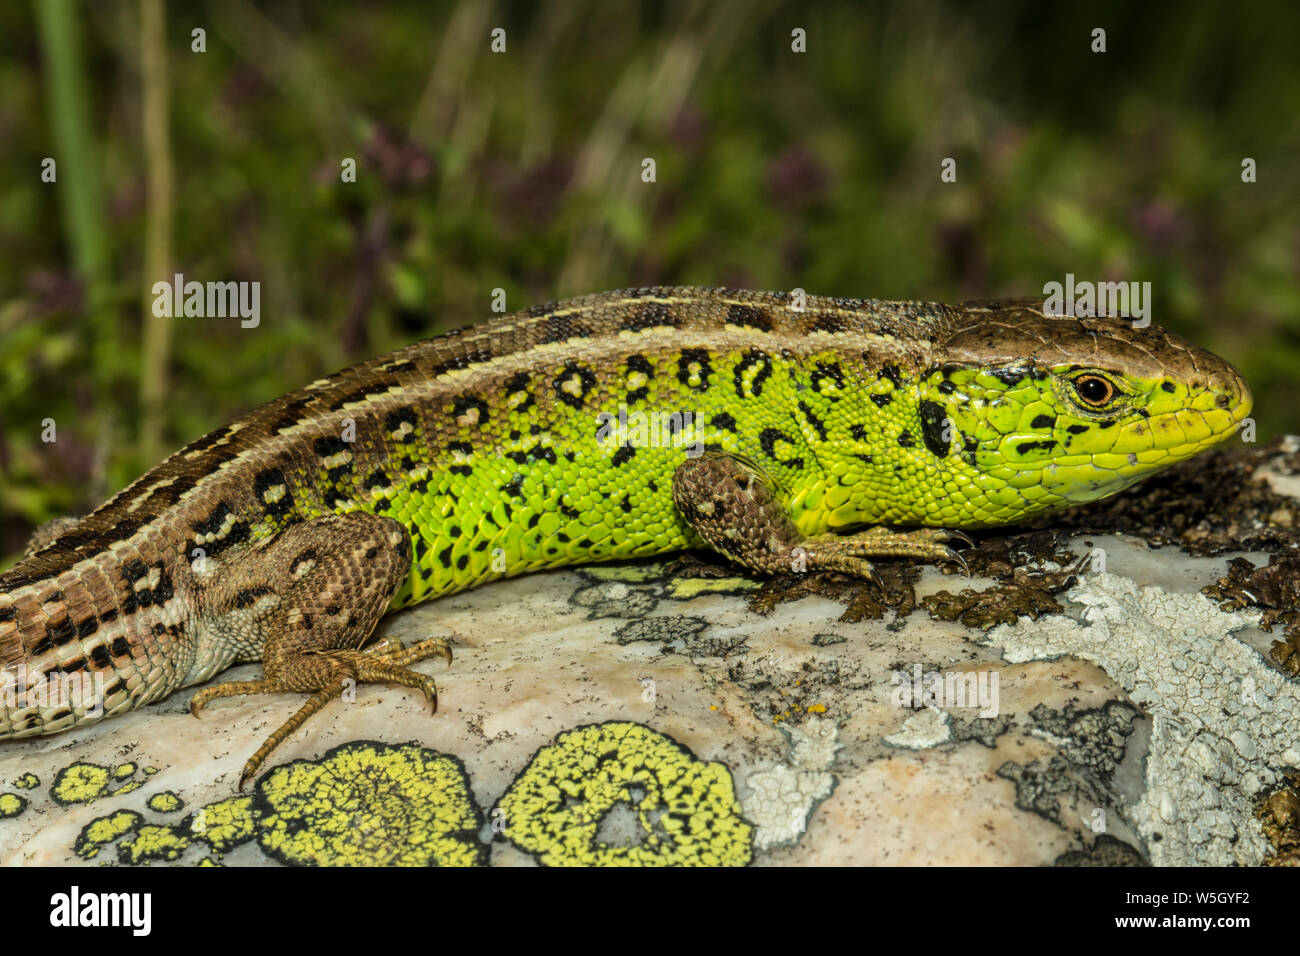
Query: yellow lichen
{"x": 223, "y": 825}
{"x": 28, "y": 781}
{"x": 153, "y": 842}
{"x": 11, "y": 805}
{"x": 683, "y": 589}
{"x": 102, "y": 831}
{"x": 683, "y": 810}
{"x": 80, "y": 783}
{"x": 367, "y": 803}
{"x": 361, "y": 804}
{"x": 371, "y": 804}
{"x": 122, "y": 771}
{"x": 626, "y": 573}
{"x": 165, "y": 802}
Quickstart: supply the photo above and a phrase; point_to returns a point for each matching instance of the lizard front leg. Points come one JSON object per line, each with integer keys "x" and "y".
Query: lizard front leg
{"x": 311, "y": 597}
{"x": 736, "y": 508}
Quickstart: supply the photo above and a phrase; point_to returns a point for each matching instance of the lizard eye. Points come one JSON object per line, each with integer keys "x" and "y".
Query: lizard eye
{"x": 1094, "y": 390}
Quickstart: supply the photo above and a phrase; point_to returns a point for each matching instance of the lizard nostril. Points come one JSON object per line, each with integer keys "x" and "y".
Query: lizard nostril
{"x": 1223, "y": 401}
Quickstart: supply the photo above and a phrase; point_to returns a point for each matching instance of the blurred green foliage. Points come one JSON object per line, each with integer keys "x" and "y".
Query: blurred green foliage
{"x": 522, "y": 170}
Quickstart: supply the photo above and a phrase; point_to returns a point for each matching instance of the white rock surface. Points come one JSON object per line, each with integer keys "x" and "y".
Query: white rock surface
{"x": 1143, "y": 712}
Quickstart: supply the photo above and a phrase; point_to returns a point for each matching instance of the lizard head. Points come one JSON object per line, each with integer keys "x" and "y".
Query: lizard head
{"x": 1070, "y": 410}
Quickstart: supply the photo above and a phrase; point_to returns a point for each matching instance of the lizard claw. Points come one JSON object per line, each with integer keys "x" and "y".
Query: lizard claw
{"x": 956, "y": 558}
{"x": 873, "y": 578}
{"x": 961, "y": 536}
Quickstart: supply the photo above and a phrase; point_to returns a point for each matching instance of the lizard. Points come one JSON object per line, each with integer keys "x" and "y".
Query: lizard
{"x": 802, "y": 433}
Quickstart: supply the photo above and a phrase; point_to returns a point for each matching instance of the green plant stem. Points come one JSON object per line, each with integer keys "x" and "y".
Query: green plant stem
{"x": 157, "y": 336}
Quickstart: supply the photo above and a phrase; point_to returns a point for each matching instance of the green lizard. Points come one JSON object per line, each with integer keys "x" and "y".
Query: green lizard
{"x": 805, "y": 433}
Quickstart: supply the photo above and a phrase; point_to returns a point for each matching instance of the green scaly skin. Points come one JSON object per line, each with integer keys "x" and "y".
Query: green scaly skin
{"x": 481, "y": 454}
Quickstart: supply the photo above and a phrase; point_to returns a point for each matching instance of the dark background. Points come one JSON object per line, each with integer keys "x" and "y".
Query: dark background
{"x": 522, "y": 170}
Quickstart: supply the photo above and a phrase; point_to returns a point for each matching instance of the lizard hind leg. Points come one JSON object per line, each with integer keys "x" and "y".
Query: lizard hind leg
{"x": 311, "y": 597}
{"x": 740, "y": 513}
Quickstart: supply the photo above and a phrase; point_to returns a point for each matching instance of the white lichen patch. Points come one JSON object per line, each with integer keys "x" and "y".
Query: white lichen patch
{"x": 1223, "y": 722}
{"x": 929, "y": 728}
{"x": 783, "y": 796}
